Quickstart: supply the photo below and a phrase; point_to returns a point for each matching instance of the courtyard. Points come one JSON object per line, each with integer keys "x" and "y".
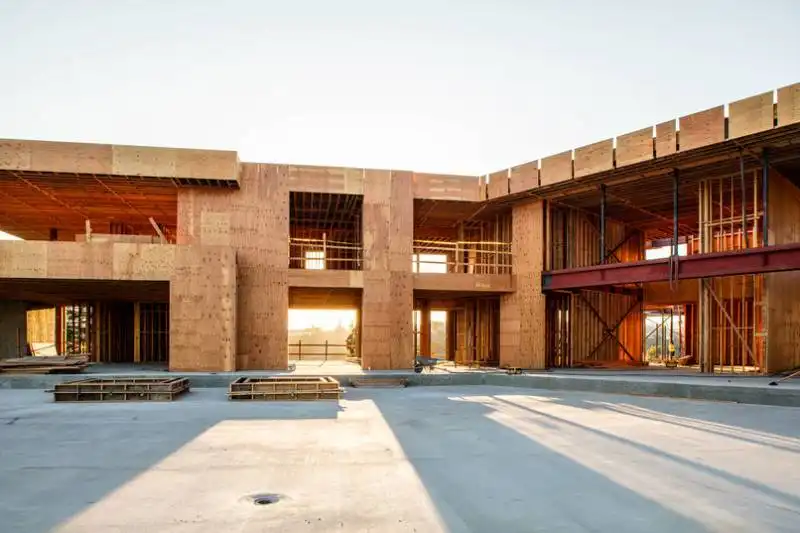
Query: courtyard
{"x": 424, "y": 459}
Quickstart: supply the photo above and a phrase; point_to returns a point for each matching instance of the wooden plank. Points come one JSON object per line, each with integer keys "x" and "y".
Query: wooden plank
{"x": 144, "y": 161}
{"x": 524, "y": 177}
{"x": 593, "y": 158}
{"x": 464, "y": 282}
{"x": 789, "y": 104}
{"x": 556, "y": 168}
{"x": 79, "y": 158}
{"x": 750, "y": 115}
{"x": 666, "y": 138}
{"x": 498, "y": 184}
{"x": 635, "y": 147}
{"x": 702, "y": 128}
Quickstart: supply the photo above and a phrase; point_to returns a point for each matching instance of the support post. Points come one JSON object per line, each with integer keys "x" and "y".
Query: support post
{"x": 602, "y": 224}
{"x": 764, "y": 196}
{"x": 425, "y": 329}
{"x": 744, "y": 200}
{"x": 137, "y": 333}
{"x": 675, "y": 212}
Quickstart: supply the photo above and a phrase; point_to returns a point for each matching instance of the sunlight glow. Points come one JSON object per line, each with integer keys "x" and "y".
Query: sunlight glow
{"x": 325, "y": 319}
{"x": 8, "y": 237}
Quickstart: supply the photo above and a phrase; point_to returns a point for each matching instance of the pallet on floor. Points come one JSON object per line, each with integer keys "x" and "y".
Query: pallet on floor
{"x": 284, "y": 388}
{"x": 379, "y": 382}
{"x": 133, "y": 389}
{"x": 37, "y": 364}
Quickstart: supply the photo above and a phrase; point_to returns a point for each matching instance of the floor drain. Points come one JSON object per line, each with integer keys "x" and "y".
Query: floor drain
{"x": 265, "y": 499}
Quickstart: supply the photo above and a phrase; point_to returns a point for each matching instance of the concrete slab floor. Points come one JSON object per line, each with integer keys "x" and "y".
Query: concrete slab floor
{"x": 425, "y": 459}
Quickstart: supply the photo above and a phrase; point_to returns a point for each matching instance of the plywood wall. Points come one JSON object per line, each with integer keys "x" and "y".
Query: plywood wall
{"x": 522, "y": 313}
{"x": 387, "y": 340}
{"x": 42, "y": 325}
{"x": 783, "y": 289}
{"x": 202, "y": 322}
{"x": 254, "y": 220}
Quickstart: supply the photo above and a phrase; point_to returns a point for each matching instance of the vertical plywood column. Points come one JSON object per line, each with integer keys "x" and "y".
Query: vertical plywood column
{"x": 254, "y": 221}
{"x": 782, "y": 289}
{"x": 388, "y": 299}
{"x": 522, "y": 313}
{"x": 202, "y": 333}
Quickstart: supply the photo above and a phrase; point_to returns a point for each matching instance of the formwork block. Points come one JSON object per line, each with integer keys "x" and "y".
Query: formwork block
{"x": 284, "y": 388}
{"x": 593, "y": 158}
{"x": 750, "y": 115}
{"x": 702, "y": 128}
{"x": 635, "y": 147}
{"x": 138, "y": 389}
{"x": 556, "y": 168}
{"x": 789, "y": 104}
{"x": 498, "y": 184}
{"x": 666, "y": 138}
{"x": 524, "y": 177}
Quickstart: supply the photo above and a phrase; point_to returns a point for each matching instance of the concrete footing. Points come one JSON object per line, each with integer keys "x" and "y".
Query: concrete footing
{"x": 748, "y": 390}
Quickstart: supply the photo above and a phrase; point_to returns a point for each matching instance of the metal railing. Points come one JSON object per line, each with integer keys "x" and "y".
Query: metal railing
{"x": 324, "y": 254}
{"x": 318, "y": 352}
{"x": 470, "y": 257}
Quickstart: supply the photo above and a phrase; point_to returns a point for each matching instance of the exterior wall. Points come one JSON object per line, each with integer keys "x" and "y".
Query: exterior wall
{"x": 522, "y": 314}
{"x": 388, "y": 298}
{"x": 254, "y": 221}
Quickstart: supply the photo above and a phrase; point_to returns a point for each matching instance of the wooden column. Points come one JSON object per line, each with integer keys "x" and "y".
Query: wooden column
{"x": 522, "y": 313}
{"x": 387, "y": 339}
{"x": 254, "y": 222}
{"x": 59, "y": 333}
{"x": 425, "y": 329}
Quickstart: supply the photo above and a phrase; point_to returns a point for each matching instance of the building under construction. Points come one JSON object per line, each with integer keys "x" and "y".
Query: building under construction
{"x": 192, "y": 258}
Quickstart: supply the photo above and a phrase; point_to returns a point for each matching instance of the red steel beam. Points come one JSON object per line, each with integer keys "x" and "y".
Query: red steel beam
{"x": 763, "y": 260}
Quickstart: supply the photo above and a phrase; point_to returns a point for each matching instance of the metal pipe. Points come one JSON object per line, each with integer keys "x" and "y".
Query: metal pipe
{"x": 744, "y": 200}
{"x": 675, "y": 212}
{"x": 602, "y": 224}
{"x": 764, "y": 195}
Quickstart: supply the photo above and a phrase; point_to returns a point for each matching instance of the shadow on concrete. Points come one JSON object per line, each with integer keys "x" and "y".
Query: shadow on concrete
{"x": 486, "y": 477}
{"x": 95, "y": 448}
{"x": 784, "y": 498}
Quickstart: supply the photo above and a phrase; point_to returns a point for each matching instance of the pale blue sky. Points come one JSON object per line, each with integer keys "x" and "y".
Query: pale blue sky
{"x": 460, "y": 86}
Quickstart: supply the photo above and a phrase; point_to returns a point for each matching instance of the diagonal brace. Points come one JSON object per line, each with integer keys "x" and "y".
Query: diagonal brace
{"x": 611, "y": 331}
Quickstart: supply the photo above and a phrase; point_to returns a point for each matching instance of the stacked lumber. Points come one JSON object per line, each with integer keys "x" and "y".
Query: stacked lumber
{"x": 45, "y": 364}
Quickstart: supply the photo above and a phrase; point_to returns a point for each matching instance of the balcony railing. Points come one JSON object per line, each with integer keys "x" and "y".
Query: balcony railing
{"x": 302, "y": 351}
{"x": 324, "y": 254}
{"x": 468, "y": 257}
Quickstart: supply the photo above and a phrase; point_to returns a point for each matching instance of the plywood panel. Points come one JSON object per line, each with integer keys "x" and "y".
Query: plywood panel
{"x": 498, "y": 184}
{"x": 750, "y": 115}
{"x": 522, "y": 314}
{"x": 783, "y": 289}
{"x": 702, "y": 128}
{"x": 524, "y": 177}
{"x": 666, "y": 138}
{"x": 80, "y": 158}
{"x": 593, "y": 158}
{"x": 203, "y": 310}
{"x": 42, "y": 325}
{"x": 445, "y": 187}
{"x": 206, "y": 164}
{"x": 464, "y": 282}
{"x": 387, "y": 301}
{"x": 254, "y": 220}
{"x": 335, "y": 180}
{"x": 15, "y": 155}
{"x": 324, "y": 298}
{"x": 556, "y": 168}
{"x": 144, "y": 161}
{"x": 789, "y": 104}
{"x": 635, "y": 147}
{"x": 326, "y": 278}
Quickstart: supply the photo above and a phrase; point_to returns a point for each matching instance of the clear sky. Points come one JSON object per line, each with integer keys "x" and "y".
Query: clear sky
{"x": 460, "y": 86}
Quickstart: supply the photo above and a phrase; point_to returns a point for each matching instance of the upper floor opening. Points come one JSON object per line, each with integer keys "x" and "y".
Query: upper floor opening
{"x": 461, "y": 238}
{"x": 325, "y": 231}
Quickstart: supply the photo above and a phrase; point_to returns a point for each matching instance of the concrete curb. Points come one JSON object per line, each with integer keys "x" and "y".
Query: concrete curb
{"x": 636, "y": 386}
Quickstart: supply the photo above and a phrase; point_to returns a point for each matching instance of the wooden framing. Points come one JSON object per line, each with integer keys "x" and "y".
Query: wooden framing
{"x": 284, "y": 388}
{"x": 121, "y": 389}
